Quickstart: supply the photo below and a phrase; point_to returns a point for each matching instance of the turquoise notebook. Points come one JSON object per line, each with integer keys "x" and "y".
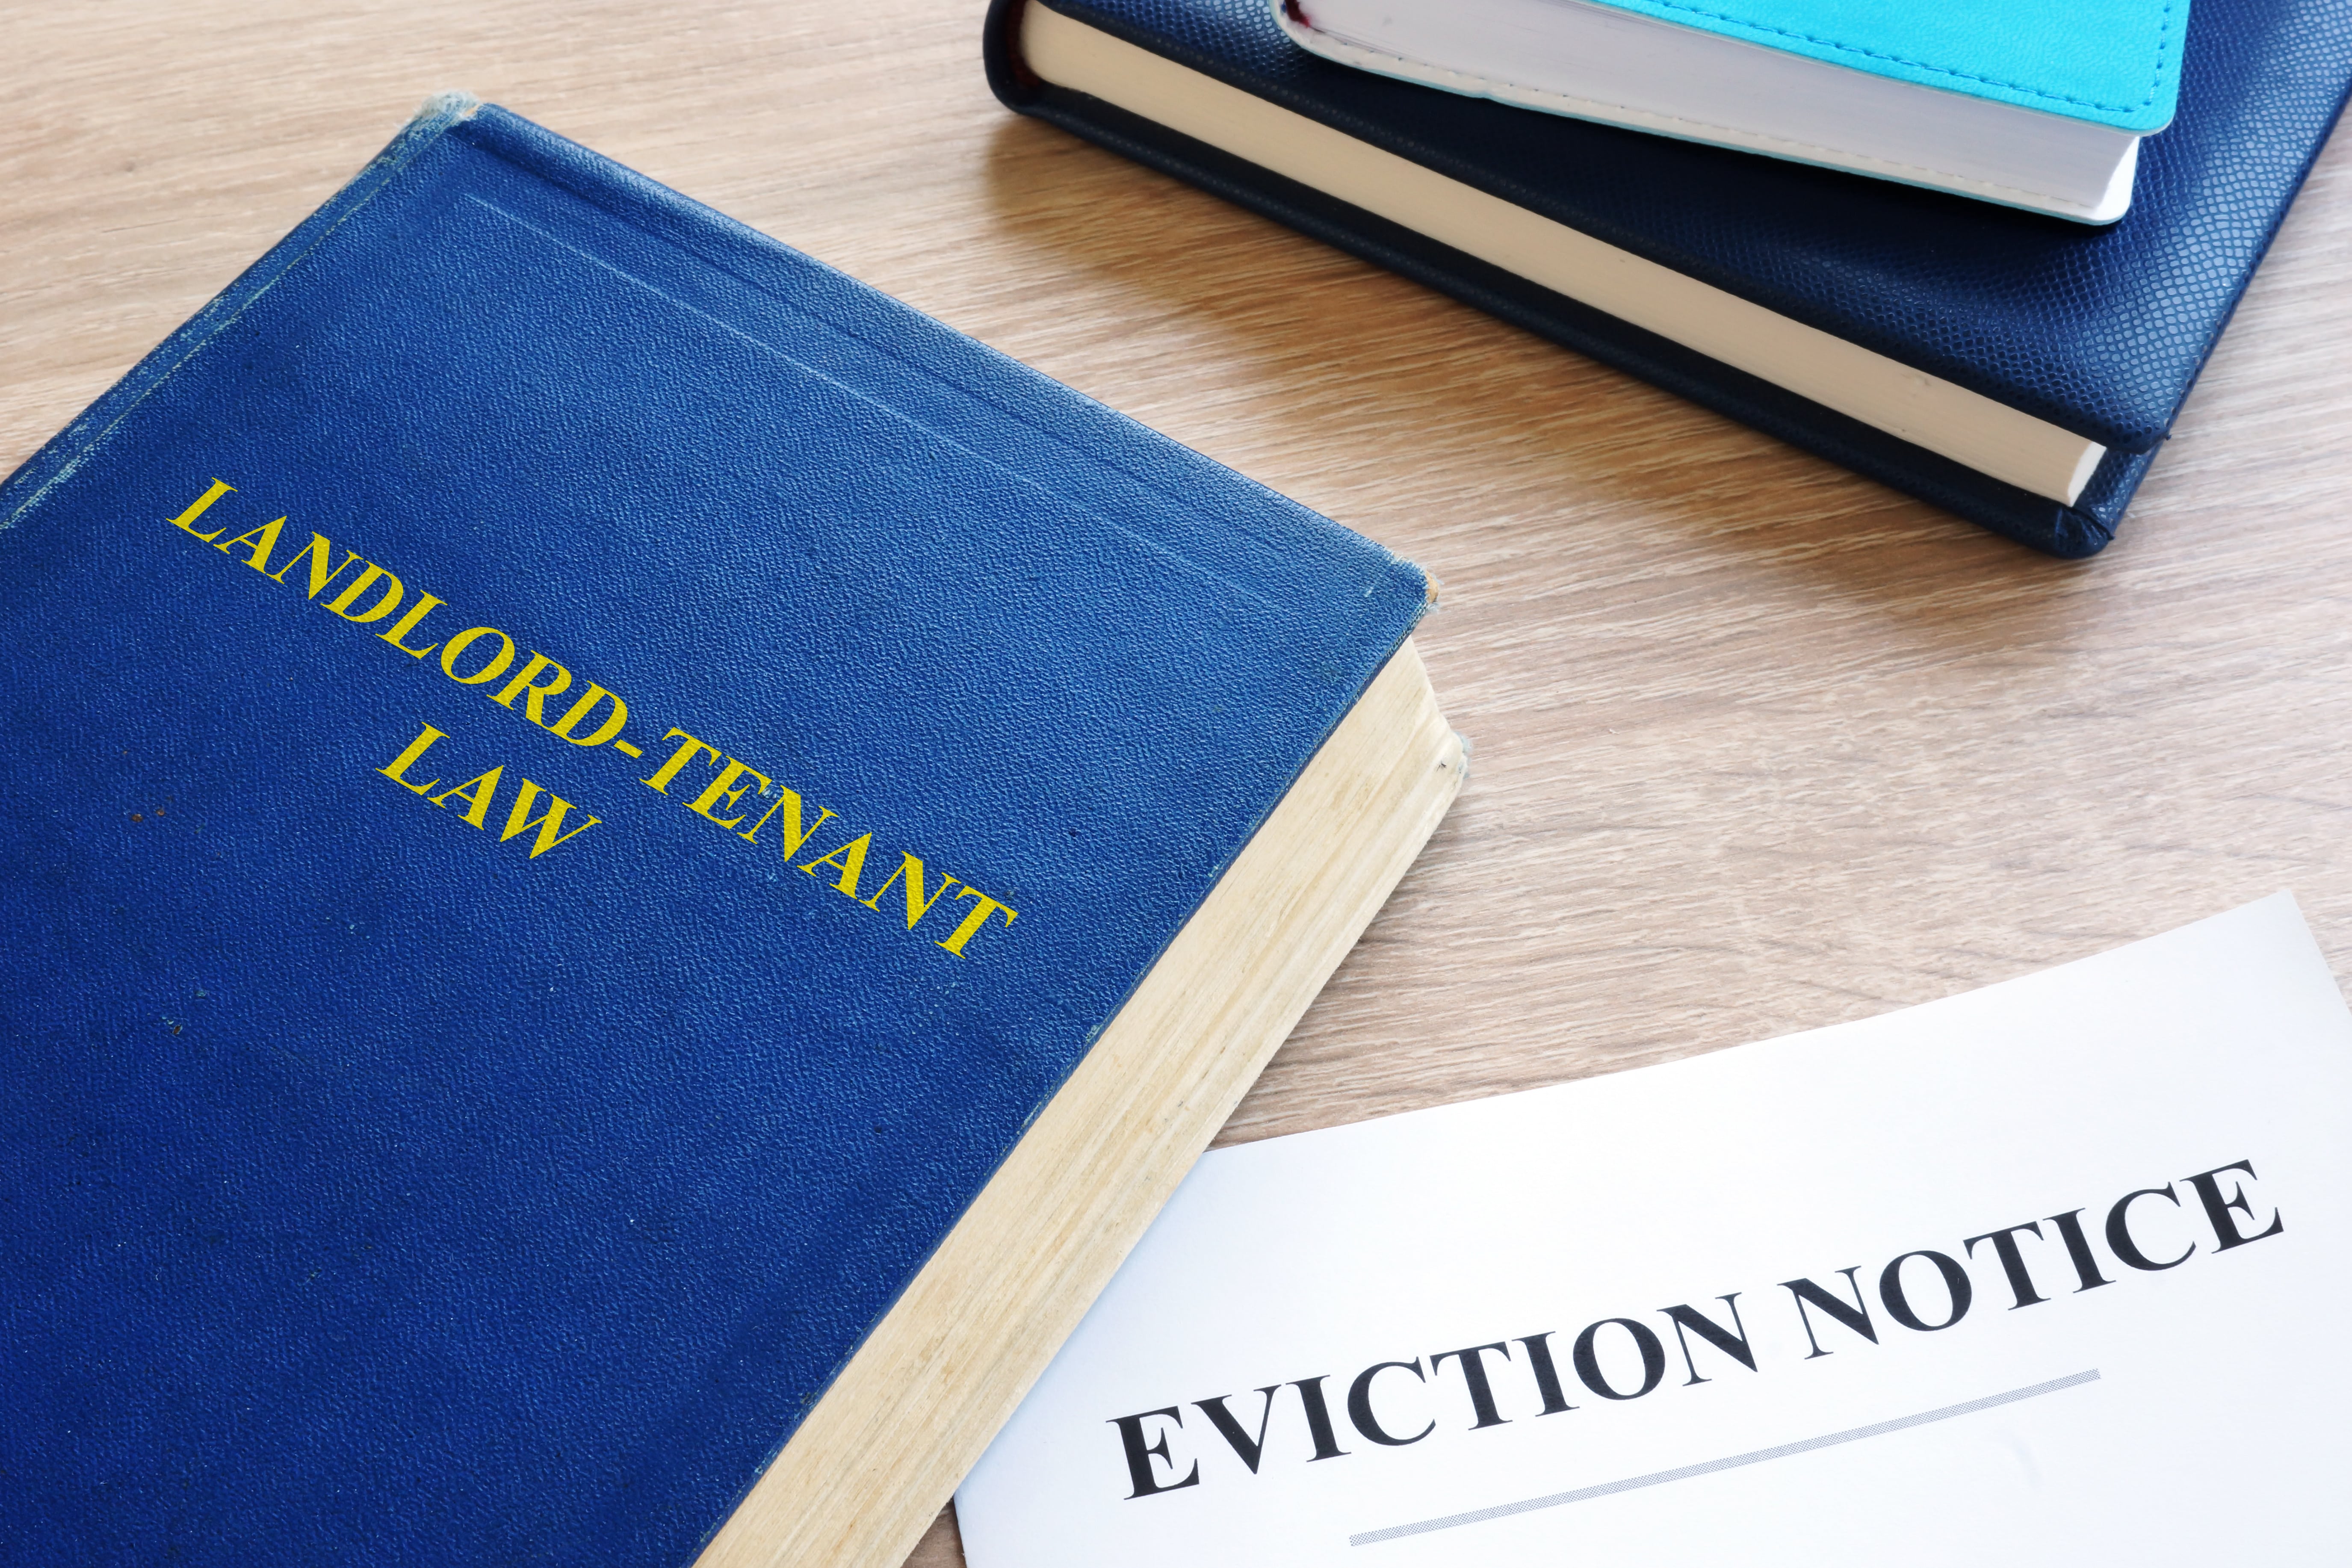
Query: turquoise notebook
{"x": 2109, "y": 62}
{"x": 2032, "y": 106}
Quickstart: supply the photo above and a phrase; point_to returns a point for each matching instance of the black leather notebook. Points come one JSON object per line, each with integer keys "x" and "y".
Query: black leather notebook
{"x": 2014, "y": 368}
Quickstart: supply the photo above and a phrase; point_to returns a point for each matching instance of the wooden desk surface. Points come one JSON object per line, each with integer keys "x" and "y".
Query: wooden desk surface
{"x": 1759, "y": 745}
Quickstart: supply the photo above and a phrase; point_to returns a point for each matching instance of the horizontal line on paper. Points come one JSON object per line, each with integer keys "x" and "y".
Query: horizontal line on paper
{"x": 1660, "y": 1477}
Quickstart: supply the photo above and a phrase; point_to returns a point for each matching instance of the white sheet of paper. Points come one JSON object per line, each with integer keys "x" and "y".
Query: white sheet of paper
{"x": 2198, "y": 1411}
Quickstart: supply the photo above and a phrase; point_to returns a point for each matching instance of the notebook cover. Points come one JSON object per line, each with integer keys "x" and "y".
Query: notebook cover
{"x": 2101, "y": 332}
{"x": 2111, "y": 62}
{"x": 389, "y": 1177}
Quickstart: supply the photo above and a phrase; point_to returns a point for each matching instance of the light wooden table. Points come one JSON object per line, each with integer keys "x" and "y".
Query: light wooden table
{"x": 1759, "y": 745}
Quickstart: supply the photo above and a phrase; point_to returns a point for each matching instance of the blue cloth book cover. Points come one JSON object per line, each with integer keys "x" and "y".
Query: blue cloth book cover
{"x": 2067, "y": 332}
{"x": 577, "y": 779}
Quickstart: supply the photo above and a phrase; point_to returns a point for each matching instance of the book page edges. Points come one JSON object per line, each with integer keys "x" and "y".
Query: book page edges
{"x": 2001, "y": 442}
{"x": 872, "y": 1465}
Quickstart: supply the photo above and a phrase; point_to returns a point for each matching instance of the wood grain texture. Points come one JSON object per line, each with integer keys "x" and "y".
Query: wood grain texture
{"x": 1759, "y": 745}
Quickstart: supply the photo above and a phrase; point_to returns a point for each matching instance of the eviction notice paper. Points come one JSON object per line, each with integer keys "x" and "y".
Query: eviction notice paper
{"x": 2055, "y": 1272}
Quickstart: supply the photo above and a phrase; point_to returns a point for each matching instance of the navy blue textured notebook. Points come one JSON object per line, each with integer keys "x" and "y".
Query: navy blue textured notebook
{"x": 2016, "y": 369}
{"x": 577, "y": 781}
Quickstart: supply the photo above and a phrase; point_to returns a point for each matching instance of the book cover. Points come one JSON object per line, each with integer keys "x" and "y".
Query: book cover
{"x": 577, "y": 781}
{"x": 2092, "y": 334}
{"x": 2035, "y": 109}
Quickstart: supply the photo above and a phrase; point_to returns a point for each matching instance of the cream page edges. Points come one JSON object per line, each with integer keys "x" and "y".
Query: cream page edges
{"x": 1969, "y": 427}
{"x": 920, "y": 1400}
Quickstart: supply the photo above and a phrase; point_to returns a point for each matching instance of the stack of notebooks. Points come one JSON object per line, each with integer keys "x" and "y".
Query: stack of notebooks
{"x": 1980, "y": 255}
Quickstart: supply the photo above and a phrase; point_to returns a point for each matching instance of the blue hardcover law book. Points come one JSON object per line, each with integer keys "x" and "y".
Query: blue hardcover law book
{"x": 2017, "y": 369}
{"x": 628, "y": 869}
